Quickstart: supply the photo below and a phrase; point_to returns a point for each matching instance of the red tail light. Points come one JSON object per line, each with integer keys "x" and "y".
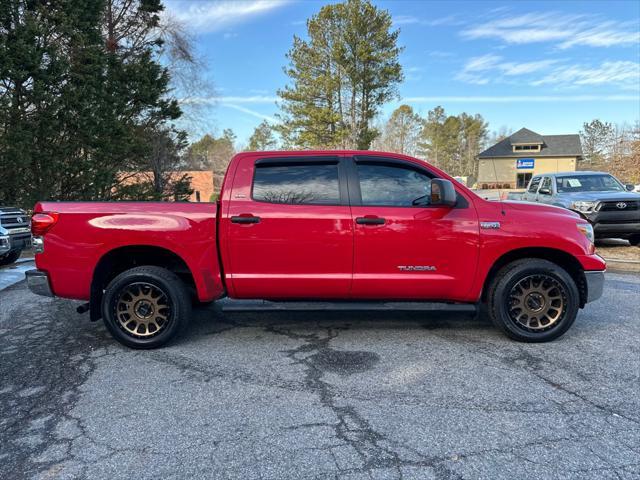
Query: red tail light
{"x": 42, "y": 222}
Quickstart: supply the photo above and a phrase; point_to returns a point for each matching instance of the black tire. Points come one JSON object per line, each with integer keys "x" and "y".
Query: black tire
{"x": 9, "y": 258}
{"x": 634, "y": 240}
{"x": 172, "y": 303}
{"x": 507, "y": 285}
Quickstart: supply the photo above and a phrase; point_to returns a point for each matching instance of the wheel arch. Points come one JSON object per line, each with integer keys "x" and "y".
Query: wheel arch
{"x": 123, "y": 258}
{"x": 561, "y": 258}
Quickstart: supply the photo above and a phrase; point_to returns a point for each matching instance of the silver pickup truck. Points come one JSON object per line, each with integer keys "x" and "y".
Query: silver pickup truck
{"x": 15, "y": 234}
{"x": 611, "y": 207}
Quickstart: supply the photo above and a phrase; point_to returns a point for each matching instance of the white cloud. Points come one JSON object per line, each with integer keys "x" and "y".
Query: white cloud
{"x": 251, "y": 99}
{"x": 523, "y": 99}
{"x": 564, "y": 30}
{"x": 481, "y": 70}
{"x": 234, "y": 101}
{"x": 514, "y": 68}
{"x": 606, "y": 34}
{"x": 248, "y": 111}
{"x": 492, "y": 68}
{"x": 213, "y": 16}
{"x": 413, "y": 74}
{"x": 435, "y": 22}
{"x": 625, "y": 74}
{"x": 440, "y": 54}
{"x": 479, "y": 64}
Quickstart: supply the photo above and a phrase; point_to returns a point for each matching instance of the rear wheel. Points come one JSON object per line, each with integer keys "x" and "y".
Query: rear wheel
{"x": 9, "y": 258}
{"x": 533, "y": 300}
{"x": 634, "y": 240}
{"x": 146, "y": 307}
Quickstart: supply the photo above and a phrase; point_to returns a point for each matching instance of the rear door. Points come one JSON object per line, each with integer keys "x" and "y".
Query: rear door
{"x": 288, "y": 229}
{"x": 405, "y": 248}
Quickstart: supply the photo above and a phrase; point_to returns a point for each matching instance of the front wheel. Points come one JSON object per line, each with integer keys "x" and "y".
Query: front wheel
{"x": 533, "y": 300}
{"x": 146, "y": 307}
{"x": 635, "y": 239}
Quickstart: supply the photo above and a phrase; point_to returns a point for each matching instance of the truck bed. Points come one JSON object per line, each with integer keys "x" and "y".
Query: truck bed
{"x": 86, "y": 231}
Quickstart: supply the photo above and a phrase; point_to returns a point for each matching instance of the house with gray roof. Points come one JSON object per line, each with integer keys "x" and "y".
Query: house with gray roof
{"x": 512, "y": 162}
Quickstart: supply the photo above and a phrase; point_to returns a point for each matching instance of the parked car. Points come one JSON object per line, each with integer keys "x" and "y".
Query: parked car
{"x": 15, "y": 234}
{"x": 611, "y": 207}
{"x": 326, "y": 226}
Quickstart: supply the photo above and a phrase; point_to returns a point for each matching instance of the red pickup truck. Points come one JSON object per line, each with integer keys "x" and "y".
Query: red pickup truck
{"x": 330, "y": 226}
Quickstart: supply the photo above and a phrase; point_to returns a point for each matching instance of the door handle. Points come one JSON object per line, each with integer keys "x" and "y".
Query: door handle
{"x": 370, "y": 220}
{"x": 245, "y": 218}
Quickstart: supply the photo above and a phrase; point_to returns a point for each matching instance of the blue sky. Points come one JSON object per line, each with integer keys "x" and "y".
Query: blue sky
{"x": 546, "y": 65}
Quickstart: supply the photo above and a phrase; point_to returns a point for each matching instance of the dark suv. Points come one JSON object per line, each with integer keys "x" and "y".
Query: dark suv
{"x": 15, "y": 234}
{"x": 610, "y": 206}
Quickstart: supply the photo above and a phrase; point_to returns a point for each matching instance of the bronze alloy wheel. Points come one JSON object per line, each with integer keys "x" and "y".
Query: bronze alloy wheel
{"x": 537, "y": 302}
{"x": 143, "y": 310}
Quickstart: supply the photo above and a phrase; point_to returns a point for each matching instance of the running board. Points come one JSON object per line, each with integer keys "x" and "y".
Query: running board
{"x": 229, "y": 305}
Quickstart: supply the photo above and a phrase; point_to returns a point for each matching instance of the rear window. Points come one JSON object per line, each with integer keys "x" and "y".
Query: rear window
{"x": 301, "y": 184}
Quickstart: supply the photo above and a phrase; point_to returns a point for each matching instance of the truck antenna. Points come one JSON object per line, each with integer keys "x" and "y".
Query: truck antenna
{"x": 495, "y": 174}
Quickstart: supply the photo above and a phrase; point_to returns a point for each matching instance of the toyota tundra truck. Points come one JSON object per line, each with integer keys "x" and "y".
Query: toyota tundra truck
{"x": 612, "y": 208}
{"x": 338, "y": 228}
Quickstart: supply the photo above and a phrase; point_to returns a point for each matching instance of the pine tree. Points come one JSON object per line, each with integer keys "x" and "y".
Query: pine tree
{"x": 212, "y": 153}
{"x": 452, "y": 142}
{"x": 82, "y": 95}
{"x": 432, "y": 138}
{"x": 474, "y": 131}
{"x": 340, "y": 77}
{"x": 401, "y": 132}
{"x": 596, "y": 137}
{"x": 262, "y": 138}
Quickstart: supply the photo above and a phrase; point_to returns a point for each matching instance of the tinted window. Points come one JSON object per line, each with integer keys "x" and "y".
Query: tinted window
{"x": 533, "y": 188}
{"x": 588, "y": 183}
{"x": 393, "y": 186}
{"x": 297, "y": 184}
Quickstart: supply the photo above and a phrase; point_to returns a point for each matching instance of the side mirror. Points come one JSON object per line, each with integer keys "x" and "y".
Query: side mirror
{"x": 544, "y": 191}
{"x": 630, "y": 187}
{"x": 443, "y": 193}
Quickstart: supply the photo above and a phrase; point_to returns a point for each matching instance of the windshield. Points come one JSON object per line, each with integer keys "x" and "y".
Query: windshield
{"x": 588, "y": 183}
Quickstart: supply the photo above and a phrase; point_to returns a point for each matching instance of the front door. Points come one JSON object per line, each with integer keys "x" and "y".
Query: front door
{"x": 531, "y": 195}
{"x": 545, "y": 191}
{"x": 288, "y": 230}
{"x": 405, "y": 248}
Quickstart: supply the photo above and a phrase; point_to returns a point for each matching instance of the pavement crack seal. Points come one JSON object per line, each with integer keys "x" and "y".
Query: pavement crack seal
{"x": 375, "y": 449}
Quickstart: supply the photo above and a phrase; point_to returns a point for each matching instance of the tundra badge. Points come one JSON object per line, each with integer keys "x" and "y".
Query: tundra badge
{"x": 417, "y": 268}
{"x": 490, "y": 225}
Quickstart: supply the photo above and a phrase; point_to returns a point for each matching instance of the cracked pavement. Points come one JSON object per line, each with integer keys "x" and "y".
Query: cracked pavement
{"x": 348, "y": 395}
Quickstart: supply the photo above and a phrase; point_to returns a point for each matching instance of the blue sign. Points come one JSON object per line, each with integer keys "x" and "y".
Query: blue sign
{"x": 525, "y": 163}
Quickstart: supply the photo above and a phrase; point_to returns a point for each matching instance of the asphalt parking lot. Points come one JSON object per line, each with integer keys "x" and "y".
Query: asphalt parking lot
{"x": 320, "y": 395}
